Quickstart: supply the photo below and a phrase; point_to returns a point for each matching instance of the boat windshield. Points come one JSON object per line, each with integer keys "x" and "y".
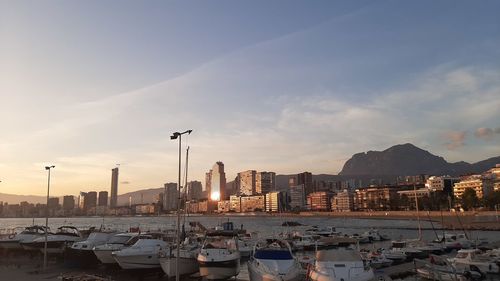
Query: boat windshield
{"x": 220, "y": 244}
{"x": 119, "y": 239}
{"x": 273, "y": 255}
{"x": 462, "y": 255}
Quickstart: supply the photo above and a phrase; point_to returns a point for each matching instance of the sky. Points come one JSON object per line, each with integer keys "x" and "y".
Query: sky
{"x": 283, "y": 86}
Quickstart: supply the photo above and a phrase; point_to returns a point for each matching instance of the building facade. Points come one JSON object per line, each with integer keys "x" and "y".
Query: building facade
{"x": 114, "y": 188}
{"x": 195, "y": 190}
{"x": 343, "y": 201}
{"x": 103, "y": 198}
{"x": 374, "y": 198}
{"x": 265, "y": 182}
{"x": 483, "y": 185}
{"x": 297, "y": 197}
{"x": 170, "y": 196}
{"x": 319, "y": 201}
{"x": 276, "y": 201}
{"x": 253, "y": 203}
{"x": 247, "y": 182}
{"x": 217, "y": 182}
{"x": 306, "y": 180}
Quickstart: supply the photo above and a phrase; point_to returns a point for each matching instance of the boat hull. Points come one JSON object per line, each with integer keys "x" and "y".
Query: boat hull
{"x": 259, "y": 275}
{"x": 216, "y": 270}
{"x": 105, "y": 257}
{"x": 10, "y": 244}
{"x": 138, "y": 261}
{"x": 187, "y": 266}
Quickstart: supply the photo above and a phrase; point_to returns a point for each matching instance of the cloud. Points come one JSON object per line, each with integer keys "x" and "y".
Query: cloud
{"x": 486, "y": 133}
{"x": 454, "y": 139}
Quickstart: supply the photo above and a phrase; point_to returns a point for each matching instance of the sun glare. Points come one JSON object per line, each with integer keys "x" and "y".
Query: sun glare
{"x": 215, "y": 196}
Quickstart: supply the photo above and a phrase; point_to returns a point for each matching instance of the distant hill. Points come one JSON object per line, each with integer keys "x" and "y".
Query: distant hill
{"x": 16, "y": 199}
{"x": 407, "y": 159}
{"x": 148, "y": 196}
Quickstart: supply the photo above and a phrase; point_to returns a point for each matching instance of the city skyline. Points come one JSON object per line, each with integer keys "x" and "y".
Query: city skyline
{"x": 303, "y": 86}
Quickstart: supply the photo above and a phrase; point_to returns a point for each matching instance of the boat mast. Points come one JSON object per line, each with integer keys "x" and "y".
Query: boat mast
{"x": 418, "y": 213}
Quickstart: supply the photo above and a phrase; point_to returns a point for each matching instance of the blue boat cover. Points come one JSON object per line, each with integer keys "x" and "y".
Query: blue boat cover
{"x": 273, "y": 255}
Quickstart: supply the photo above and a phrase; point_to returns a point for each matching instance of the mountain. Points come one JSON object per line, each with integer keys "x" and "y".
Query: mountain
{"x": 407, "y": 159}
{"x": 140, "y": 196}
{"x": 16, "y": 199}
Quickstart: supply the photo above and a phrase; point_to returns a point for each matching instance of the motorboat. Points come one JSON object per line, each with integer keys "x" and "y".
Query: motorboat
{"x": 342, "y": 264}
{"x": 82, "y": 254}
{"x": 245, "y": 248}
{"x": 29, "y": 234}
{"x": 188, "y": 253}
{"x": 142, "y": 255}
{"x": 362, "y": 239}
{"x": 405, "y": 247}
{"x": 322, "y": 231}
{"x": 117, "y": 243}
{"x": 378, "y": 260}
{"x": 272, "y": 260}
{"x": 453, "y": 241}
{"x": 303, "y": 242}
{"x": 57, "y": 242}
{"x": 438, "y": 268}
{"x": 219, "y": 257}
{"x": 468, "y": 257}
{"x": 374, "y": 235}
{"x": 395, "y": 255}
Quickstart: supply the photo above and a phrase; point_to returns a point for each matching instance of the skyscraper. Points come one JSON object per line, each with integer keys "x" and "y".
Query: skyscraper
{"x": 217, "y": 176}
{"x": 194, "y": 190}
{"x": 170, "y": 196}
{"x": 90, "y": 200}
{"x": 305, "y": 179}
{"x": 68, "y": 202}
{"x": 114, "y": 188}
{"x": 103, "y": 198}
{"x": 247, "y": 182}
{"x": 265, "y": 182}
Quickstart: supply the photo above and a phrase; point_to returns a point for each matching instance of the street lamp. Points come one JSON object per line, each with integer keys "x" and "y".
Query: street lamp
{"x": 48, "y": 168}
{"x": 173, "y": 137}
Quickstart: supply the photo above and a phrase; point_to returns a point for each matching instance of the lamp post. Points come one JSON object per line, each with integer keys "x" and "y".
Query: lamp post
{"x": 178, "y": 242}
{"x": 48, "y": 168}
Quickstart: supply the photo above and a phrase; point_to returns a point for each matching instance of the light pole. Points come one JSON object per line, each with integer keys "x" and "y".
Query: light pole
{"x": 48, "y": 168}
{"x": 178, "y": 240}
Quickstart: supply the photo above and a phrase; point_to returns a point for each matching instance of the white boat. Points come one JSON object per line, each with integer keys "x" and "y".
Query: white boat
{"x": 29, "y": 234}
{"x": 474, "y": 257}
{"x": 57, "y": 242}
{"x": 454, "y": 241}
{"x": 143, "y": 254}
{"x": 219, "y": 257}
{"x": 438, "y": 268}
{"x": 272, "y": 260}
{"x": 405, "y": 247}
{"x": 303, "y": 242}
{"x": 378, "y": 260}
{"x": 117, "y": 243}
{"x": 245, "y": 248}
{"x": 340, "y": 265}
{"x": 81, "y": 253}
{"x": 362, "y": 239}
{"x": 322, "y": 231}
{"x": 374, "y": 235}
{"x": 188, "y": 254}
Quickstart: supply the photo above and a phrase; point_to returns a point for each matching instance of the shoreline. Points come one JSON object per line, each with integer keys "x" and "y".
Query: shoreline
{"x": 470, "y": 220}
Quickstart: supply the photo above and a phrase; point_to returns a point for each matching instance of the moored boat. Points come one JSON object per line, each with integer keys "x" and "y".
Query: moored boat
{"x": 57, "y": 242}
{"x": 272, "y": 260}
{"x": 341, "y": 264}
{"x": 29, "y": 234}
{"x": 81, "y": 253}
{"x": 219, "y": 257}
{"x": 143, "y": 254}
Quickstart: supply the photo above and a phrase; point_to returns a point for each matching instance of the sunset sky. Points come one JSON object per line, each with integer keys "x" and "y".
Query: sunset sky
{"x": 283, "y": 86}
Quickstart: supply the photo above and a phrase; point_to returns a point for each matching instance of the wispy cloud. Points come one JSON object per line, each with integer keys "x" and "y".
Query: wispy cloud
{"x": 454, "y": 140}
{"x": 486, "y": 133}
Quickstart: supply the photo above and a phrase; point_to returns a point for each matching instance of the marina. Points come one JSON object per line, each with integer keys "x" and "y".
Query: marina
{"x": 151, "y": 253}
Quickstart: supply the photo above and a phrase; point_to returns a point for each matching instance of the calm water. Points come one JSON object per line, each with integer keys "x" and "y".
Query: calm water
{"x": 264, "y": 226}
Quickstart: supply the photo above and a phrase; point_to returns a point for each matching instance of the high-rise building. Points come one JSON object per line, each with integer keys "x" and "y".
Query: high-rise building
{"x": 89, "y": 201}
{"x": 170, "y": 197}
{"x": 247, "y": 182}
{"x": 305, "y": 179}
{"x": 81, "y": 199}
{"x": 319, "y": 201}
{"x": 297, "y": 197}
{"x": 114, "y": 188}
{"x": 194, "y": 190}
{"x": 68, "y": 202}
{"x": 343, "y": 201}
{"x": 265, "y": 182}
{"x": 54, "y": 203}
{"x": 217, "y": 188}
{"x": 276, "y": 201}
{"x": 103, "y": 198}
{"x": 208, "y": 183}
